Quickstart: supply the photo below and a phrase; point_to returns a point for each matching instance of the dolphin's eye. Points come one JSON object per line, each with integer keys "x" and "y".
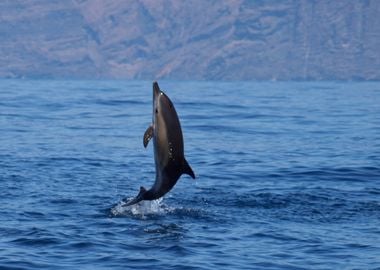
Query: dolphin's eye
{"x": 156, "y": 111}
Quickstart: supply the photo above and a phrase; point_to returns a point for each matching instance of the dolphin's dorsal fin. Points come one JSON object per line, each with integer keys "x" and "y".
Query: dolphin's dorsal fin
{"x": 187, "y": 169}
{"x": 148, "y": 135}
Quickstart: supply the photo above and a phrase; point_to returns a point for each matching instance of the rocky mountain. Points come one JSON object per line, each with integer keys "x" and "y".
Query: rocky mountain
{"x": 191, "y": 40}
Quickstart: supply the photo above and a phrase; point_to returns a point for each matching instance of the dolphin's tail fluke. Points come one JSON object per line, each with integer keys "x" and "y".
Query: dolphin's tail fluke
{"x": 138, "y": 198}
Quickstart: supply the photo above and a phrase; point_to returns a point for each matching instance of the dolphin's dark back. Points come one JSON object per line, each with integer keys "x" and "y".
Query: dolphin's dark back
{"x": 168, "y": 144}
{"x": 168, "y": 133}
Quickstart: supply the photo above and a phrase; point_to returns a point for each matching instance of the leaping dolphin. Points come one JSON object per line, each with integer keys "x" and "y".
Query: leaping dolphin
{"x": 168, "y": 148}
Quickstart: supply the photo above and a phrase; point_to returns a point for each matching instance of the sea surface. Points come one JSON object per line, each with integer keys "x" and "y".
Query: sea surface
{"x": 288, "y": 176}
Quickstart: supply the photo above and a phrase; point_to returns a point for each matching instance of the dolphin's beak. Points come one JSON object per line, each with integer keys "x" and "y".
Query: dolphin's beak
{"x": 156, "y": 90}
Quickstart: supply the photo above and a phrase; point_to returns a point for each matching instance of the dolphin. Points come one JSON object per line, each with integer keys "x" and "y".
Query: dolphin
{"x": 168, "y": 148}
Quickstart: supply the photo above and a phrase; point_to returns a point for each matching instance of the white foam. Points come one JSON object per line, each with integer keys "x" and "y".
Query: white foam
{"x": 140, "y": 209}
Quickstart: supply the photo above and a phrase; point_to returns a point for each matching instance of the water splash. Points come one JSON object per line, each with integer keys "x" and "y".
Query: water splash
{"x": 141, "y": 209}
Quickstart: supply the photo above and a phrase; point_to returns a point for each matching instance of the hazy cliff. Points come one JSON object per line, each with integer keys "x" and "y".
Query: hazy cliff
{"x": 194, "y": 39}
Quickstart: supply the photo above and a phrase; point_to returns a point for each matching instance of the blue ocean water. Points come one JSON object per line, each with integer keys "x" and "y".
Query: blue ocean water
{"x": 288, "y": 176}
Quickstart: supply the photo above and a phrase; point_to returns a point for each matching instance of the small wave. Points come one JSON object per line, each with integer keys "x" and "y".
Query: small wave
{"x": 141, "y": 209}
{"x": 158, "y": 231}
{"x": 149, "y": 209}
{"x": 117, "y": 102}
{"x": 320, "y": 205}
{"x": 338, "y": 174}
{"x": 40, "y": 241}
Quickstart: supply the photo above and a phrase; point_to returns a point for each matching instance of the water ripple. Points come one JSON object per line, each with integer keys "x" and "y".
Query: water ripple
{"x": 287, "y": 176}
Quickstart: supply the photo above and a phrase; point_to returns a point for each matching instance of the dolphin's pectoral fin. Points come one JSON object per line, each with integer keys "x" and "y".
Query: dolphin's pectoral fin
{"x": 148, "y": 135}
{"x": 187, "y": 169}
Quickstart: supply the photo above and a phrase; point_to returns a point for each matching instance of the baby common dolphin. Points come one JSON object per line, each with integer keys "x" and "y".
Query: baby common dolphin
{"x": 168, "y": 148}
